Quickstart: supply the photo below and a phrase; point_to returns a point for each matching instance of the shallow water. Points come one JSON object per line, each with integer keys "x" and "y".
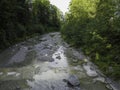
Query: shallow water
{"x": 48, "y": 63}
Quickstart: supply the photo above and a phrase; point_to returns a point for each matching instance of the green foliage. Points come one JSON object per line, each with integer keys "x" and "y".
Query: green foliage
{"x": 94, "y": 25}
{"x": 20, "y": 19}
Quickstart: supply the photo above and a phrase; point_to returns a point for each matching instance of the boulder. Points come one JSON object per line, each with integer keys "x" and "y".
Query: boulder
{"x": 73, "y": 80}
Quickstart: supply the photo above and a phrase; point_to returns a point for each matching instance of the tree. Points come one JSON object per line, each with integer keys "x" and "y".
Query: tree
{"x": 94, "y": 25}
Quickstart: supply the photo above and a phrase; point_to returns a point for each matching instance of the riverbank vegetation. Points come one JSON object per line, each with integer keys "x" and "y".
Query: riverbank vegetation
{"x": 19, "y": 19}
{"x": 94, "y": 26}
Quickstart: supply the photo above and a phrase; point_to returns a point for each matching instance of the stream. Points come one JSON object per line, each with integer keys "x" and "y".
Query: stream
{"x": 46, "y": 62}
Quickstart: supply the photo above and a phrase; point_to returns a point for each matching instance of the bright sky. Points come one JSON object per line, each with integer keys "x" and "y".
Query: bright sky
{"x": 61, "y": 4}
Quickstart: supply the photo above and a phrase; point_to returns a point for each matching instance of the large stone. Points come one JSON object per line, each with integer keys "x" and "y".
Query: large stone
{"x": 73, "y": 80}
{"x": 90, "y": 71}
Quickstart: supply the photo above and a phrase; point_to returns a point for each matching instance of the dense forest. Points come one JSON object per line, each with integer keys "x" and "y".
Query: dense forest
{"x": 19, "y": 19}
{"x": 94, "y": 26}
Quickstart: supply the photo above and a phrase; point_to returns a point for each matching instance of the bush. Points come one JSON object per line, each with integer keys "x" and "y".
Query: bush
{"x": 96, "y": 29}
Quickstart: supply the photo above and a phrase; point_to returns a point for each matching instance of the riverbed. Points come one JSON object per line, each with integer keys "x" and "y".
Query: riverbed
{"x": 47, "y": 62}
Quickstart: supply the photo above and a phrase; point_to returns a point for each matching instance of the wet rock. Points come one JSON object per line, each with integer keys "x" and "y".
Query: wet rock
{"x": 52, "y": 35}
{"x": 101, "y": 79}
{"x": 11, "y": 73}
{"x": 19, "y": 56}
{"x": 24, "y": 48}
{"x": 90, "y": 70}
{"x": 114, "y": 85}
{"x": 58, "y": 57}
{"x": 44, "y": 51}
{"x": 56, "y": 62}
{"x": 108, "y": 81}
{"x": 49, "y": 46}
{"x": 73, "y": 80}
{"x": 46, "y": 55}
{"x": 46, "y": 58}
{"x": 77, "y": 68}
{"x": 43, "y": 39}
{"x": 17, "y": 74}
{"x": 109, "y": 87}
{"x": 77, "y": 55}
